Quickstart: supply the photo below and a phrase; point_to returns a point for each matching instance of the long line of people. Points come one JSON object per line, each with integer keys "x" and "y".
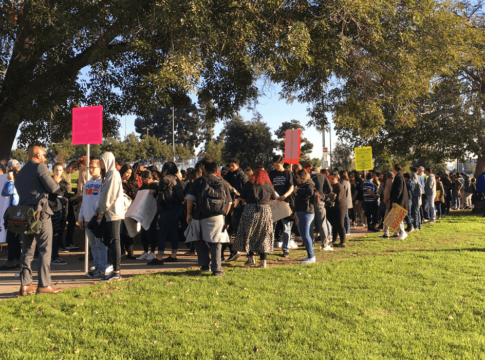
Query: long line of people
{"x": 213, "y": 210}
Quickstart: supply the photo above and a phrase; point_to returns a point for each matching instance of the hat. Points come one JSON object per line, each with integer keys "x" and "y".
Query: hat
{"x": 13, "y": 163}
{"x": 389, "y": 175}
{"x": 463, "y": 173}
{"x": 147, "y": 174}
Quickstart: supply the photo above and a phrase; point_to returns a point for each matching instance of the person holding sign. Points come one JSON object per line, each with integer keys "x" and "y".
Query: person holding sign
{"x": 399, "y": 196}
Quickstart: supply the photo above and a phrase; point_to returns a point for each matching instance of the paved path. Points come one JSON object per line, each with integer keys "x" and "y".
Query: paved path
{"x": 72, "y": 274}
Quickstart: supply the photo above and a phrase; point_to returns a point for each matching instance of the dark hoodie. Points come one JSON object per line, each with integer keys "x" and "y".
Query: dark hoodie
{"x": 303, "y": 194}
{"x": 236, "y": 179}
{"x": 170, "y": 193}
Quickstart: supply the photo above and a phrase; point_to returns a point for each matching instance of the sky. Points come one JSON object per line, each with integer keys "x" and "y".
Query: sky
{"x": 274, "y": 111}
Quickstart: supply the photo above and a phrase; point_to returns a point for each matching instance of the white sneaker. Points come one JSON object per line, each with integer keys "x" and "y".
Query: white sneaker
{"x": 109, "y": 269}
{"x": 293, "y": 245}
{"x": 308, "y": 261}
{"x": 92, "y": 268}
{"x": 327, "y": 248}
{"x": 402, "y": 235}
{"x": 143, "y": 256}
{"x": 150, "y": 257}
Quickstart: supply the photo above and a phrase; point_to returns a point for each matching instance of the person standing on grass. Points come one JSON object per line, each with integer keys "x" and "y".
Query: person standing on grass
{"x": 13, "y": 239}
{"x": 386, "y": 198}
{"x": 236, "y": 178}
{"x": 58, "y": 204}
{"x": 283, "y": 184}
{"x": 255, "y": 233}
{"x": 129, "y": 193}
{"x": 359, "y": 200}
{"x": 415, "y": 209}
{"x": 149, "y": 237}
{"x": 111, "y": 207}
{"x": 213, "y": 199}
{"x": 169, "y": 203}
{"x": 322, "y": 185}
{"x": 305, "y": 212}
{"x": 399, "y": 196}
{"x": 71, "y": 216}
{"x": 410, "y": 185}
{"x": 448, "y": 188}
{"x": 371, "y": 206}
{"x": 336, "y": 213}
{"x": 91, "y": 195}
{"x": 344, "y": 180}
{"x": 34, "y": 183}
{"x": 430, "y": 191}
{"x": 424, "y": 202}
{"x": 457, "y": 186}
{"x": 439, "y": 198}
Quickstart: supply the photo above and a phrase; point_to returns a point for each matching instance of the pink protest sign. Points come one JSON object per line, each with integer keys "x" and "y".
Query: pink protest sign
{"x": 292, "y": 146}
{"x": 87, "y": 125}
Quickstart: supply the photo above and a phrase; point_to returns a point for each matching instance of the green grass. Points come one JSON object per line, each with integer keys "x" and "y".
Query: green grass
{"x": 416, "y": 299}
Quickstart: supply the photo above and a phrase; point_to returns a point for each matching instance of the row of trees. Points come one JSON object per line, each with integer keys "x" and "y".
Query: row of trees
{"x": 405, "y": 76}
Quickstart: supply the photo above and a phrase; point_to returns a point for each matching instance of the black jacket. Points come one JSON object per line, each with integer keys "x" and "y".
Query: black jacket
{"x": 170, "y": 193}
{"x": 236, "y": 179}
{"x": 302, "y": 199}
{"x": 321, "y": 184}
{"x": 399, "y": 192}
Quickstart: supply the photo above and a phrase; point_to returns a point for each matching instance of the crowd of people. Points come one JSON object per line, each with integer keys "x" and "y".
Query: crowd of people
{"x": 212, "y": 209}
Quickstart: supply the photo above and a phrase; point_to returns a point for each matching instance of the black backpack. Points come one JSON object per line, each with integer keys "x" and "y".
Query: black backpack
{"x": 213, "y": 199}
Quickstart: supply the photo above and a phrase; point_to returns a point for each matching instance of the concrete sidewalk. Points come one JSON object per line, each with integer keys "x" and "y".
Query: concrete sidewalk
{"x": 73, "y": 275}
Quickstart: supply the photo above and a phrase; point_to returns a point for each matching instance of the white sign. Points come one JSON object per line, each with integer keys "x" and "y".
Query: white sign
{"x": 142, "y": 210}
{"x": 4, "y": 202}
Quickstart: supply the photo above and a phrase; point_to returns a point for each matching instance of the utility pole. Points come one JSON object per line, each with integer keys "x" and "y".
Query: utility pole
{"x": 173, "y": 133}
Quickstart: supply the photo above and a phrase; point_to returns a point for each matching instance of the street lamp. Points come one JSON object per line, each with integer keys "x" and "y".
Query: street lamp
{"x": 149, "y": 127}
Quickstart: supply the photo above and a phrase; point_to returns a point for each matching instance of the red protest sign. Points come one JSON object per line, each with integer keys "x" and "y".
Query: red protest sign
{"x": 87, "y": 125}
{"x": 292, "y": 146}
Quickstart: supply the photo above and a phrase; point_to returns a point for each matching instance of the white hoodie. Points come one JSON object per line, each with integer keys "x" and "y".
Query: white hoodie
{"x": 91, "y": 194}
{"x": 111, "y": 202}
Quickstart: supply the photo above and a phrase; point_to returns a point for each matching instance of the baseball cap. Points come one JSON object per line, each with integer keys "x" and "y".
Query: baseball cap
{"x": 13, "y": 163}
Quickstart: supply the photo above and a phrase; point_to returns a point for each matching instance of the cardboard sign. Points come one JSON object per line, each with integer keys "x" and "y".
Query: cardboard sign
{"x": 438, "y": 196}
{"x": 395, "y": 217}
{"x": 87, "y": 125}
{"x": 292, "y": 146}
{"x": 4, "y": 202}
{"x": 363, "y": 158}
{"x": 279, "y": 210}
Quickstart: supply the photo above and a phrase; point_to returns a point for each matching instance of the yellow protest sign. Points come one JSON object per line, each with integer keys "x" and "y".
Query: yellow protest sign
{"x": 363, "y": 158}
{"x": 395, "y": 217}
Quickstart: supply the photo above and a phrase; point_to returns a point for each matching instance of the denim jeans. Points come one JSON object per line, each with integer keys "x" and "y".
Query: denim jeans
{"x": 425, "y": 206}
{"x": 319, "y": 222}
{"x": 112, "y": 233}
{"x": 347, "y": 223}
{"x": 456, "y": 202}
{"x": 203, "y": 257}
{"x": 408, "y": 216}
{"x": 99, "y": 251}
{"x": 416, "y": 213}
{"x": 168, "y": 226}
{"x": 286, "y": 234}
{"x": 304, "y": 222}
{"x": 432, "y": 210}
{"x": 438, "y": 205}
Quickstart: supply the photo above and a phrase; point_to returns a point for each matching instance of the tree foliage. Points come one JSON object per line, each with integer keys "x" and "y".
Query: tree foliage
{"x": 342, "y": 156}
{"x": 20, "y": 155}
{"x": 248, "y": 141}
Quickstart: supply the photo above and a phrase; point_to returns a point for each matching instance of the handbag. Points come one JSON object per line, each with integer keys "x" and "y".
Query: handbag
{"x": 23, "y": 220}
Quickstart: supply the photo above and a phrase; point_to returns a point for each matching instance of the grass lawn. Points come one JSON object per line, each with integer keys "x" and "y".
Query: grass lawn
{"x": 413, "y": 299}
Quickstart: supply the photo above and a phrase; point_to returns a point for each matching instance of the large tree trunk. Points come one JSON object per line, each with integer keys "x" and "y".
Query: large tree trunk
{"x": 7, "y": 135}
{"x": 480, "y": 164}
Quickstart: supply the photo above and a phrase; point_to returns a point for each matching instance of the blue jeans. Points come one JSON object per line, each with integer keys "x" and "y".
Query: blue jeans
{"x": 416, "y": 213}
{"x": 432, "y": 210}
{"x": 425, "y": 206}
{"x": 286, "y": 234}
{"x": 304, "y": 221}
{"x": 168, "y": 226}
{"x": 407, "y": 219}
{"x": 347, "y": 223}
{"x": 456, "y": 203}
{"x": 99, "y": 251}
{"x": 439, "y": 209}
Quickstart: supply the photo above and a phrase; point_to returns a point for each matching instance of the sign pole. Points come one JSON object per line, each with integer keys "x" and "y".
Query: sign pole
{"x": 86, "y": 242}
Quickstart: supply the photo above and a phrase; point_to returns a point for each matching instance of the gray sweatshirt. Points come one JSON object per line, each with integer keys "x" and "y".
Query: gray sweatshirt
{"x": 34, "y": 183}
{"x": 111, "y": 203}
{"x": 430, "y": 187}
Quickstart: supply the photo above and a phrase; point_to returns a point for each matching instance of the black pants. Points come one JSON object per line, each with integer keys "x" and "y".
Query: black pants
{"x": 112, "y": 239}
{"x": 71, "y": 223}
{"x": 14, "y": 248}
{"x": 149, "y": 237}
{"x": 336, "y": 216}
{"x": 262, "y": 256}
{"x": 371, "y": 211}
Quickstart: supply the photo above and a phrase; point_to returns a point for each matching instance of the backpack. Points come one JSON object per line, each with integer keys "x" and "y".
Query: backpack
{"x": 166, "y": 194}
{"x": 213, "y": 198}
{"x": 22, "y": 220}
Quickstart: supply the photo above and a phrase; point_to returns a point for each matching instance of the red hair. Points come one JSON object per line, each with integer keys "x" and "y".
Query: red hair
{"x": 260, "y": 177}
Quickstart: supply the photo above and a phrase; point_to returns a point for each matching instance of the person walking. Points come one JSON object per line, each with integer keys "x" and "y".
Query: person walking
{"x": 34, "y": 183}
{"x": 111, "y": 207}
{"x": 337, "y": 212}
{"x": 399, "y": 196}
{"x": 90, "y": 202}
{"x": 305, "y": 212}
{"x": 255, "y": 232}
